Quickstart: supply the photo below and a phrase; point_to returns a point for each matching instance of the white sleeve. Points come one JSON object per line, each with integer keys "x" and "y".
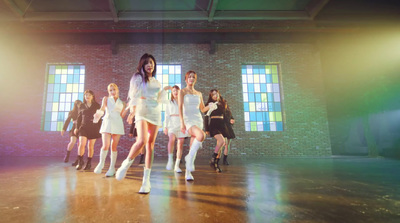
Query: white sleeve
{"x": 163, "y": 97}
{"x": 135, "y": 89}
{"x": 167, "y": 115}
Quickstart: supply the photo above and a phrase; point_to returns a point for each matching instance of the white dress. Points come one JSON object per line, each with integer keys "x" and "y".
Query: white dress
{"x": 147, "y": 97}
{"x": 112, "y": 120}
{"x": 172, "y": 121}
{"x": 191, "y": 112}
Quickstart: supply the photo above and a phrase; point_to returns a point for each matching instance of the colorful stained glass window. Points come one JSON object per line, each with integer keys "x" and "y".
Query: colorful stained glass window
{"x": 262, "y": 98}
{"x": 65, "y": 84}
{"x": 168, "y": 75}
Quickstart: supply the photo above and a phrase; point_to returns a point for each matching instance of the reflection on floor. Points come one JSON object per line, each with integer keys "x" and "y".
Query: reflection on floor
{"x": 335, "y": 189}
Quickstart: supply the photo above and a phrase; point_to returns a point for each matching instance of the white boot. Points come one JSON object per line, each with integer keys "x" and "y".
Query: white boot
{"x": 177, "y": 169}
{"x": 100, "y": 166}
{"x": 170, "y": 161}
{"x": 189, "y": 158}
{"x": 188, "y": 176}
{"x": 121, "y": 172}
{"x": 145, "y": 189}
{"x": 111, "y": 170}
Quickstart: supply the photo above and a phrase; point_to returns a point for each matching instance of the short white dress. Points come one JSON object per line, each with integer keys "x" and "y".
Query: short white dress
{"x": 147, "y": 97}
{"x": 172, "y": 121}
{"x": 191, "y": 112}
{"x": 112, "y": 120}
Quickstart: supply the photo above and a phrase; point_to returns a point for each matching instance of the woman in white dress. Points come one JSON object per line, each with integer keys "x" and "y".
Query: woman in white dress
{"x": 112, "y": 127}
{"x": 172, "y": 128}
{"x": 189, "y": 102}
{"x": 145, "y": 95}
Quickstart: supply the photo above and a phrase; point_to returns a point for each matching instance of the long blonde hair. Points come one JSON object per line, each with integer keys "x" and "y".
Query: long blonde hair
{"x": 116, "y": 88}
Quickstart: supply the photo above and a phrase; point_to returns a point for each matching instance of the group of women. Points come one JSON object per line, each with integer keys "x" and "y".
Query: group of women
{"x": 182, "y": 119}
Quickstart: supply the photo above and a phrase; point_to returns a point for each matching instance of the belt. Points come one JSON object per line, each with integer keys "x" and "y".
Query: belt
{"x": 174, "y": 115}
{"x": 219, "y": 117}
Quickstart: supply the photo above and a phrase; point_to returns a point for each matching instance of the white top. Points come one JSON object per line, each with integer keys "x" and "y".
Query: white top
{"x": 147, "y": 98}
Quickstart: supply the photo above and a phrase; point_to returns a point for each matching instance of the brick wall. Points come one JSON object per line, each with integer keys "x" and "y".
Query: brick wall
{"x": 305, "y": 130}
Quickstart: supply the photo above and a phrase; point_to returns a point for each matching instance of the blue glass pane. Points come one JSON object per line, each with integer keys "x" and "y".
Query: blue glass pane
{"x": 76, "y": 79}
{"x": 80, "y": 96}
{"x": 63, "y": 87}
{"x": 47, "y": 117}
{"x": 47, "y": 126}
{"x": 60, "y": 116}
{"x": 178, "y": 79}
{"x": 271, "y": 106}
{"x": 70, "y": 79}
{"x": 250, "y": 87}
{"x": 270, "y": 96}
{"x": 56, "y": 97}
{"x": 246, "y": 107}
{"x": 50, "y": 88}
{"x": 252, "y": 116}
{"x": 256, "y": 71}
{"x": 263, "y": 88}
{"x": 266, "y": 116}
{"x": 76, "y": 70}
{"x": 57, "y": 88}
{"x": 49, "y": 97}
{"x": 243, "y": 67}
{"x": 277, "y": 106}
{"x": 262, "y": 70}
{"x": 279, "y": 126}
{"x": 244, "y": 71}
{"x": 269, "y": 78}
{"x": 259, "y": 116}
{"x": 57, "y": 79}
{"x": 266, "y": 126}
{"x": 247, "y": 126}
{"x": 251, "y": 97}
{"x": 258, "y": 97}
{"x": 163, "y": 115}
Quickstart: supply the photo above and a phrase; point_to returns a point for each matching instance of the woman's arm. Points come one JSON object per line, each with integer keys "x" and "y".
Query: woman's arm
{"x": 203, "y": 108}
{"x": 181, "y": 94}
{"x": 124, "y": 110}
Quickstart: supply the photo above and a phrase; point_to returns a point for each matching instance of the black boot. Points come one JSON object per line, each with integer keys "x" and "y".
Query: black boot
{"x": 76, "y": 161}
{"x": 66, "y": 158}
{"x": 88, "y": 163}
{"x": 212, "y": 161}
{"x": 142, "y": 156}
{"x": 216, "y": 166}
{"x": 226, "y": 160}
{"x": 80, "y": 163}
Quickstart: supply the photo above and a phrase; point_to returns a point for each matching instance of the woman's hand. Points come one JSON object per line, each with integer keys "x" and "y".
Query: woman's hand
{"x": 183, "y": 128}
{"x": 167, "y": 88}
{"x": 62, "y": 132}
{"x": 130, "y": 118}
{"x": 207, "y": 133}
{"x": 232, "y": 121}
{"x": 166, "y": 131}
{"x": 76, "y": 131}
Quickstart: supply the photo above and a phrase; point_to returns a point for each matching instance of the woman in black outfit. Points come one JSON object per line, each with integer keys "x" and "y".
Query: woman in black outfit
{"x": 215, "y": 125}
{"x": 86, "y": 129}
{"x": 229, "y": 121}
{"x": 73, "y": 114}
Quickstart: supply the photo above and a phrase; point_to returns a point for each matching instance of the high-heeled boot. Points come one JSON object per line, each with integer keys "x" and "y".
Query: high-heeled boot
{"x": 76, "y": 162}
{"x": 145, "y": 188}
{"x": 225, "y": 160}
{"x": 100, "y": 166}
{"x": 66, "y": 158}
{"x": 88, "y": 163}
{"x": 212, "y": 161}
{"x": 111, "y": 170}
{"x": 191, "y": 156}
{"x": 121, "y": 172}
{"x": 216, "y": 166}
{"x": 80, "y": 163}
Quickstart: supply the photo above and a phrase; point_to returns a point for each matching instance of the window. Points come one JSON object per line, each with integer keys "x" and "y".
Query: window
{"x": 168, "y": 75}
{"x": 262, "y": 98}
{"x": 64, "y": 85}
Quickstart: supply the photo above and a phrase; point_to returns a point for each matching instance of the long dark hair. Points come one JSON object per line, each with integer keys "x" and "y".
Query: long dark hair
{"x": 221, "y": 99}
{"x": 172, "y": 96}
{"x": 92, "y": 93}
{"x": 77, "y": 103}
{"x": 140, "y": 68}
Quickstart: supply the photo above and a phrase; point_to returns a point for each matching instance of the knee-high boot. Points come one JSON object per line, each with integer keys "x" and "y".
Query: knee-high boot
{"x": 191, "y": 156}
{"x": 226, "y": 160}
{"x": 100, "y": 166}
{"x": 80, "y": 163}
{"x": 111, "y": 170}
{"x": 66, "y": 158}
{"x": 121, "y": 172}
{"x": 145, "y": 189}
{"x": 216, "y": 166}
{"x": 88, "y": 163}
{"x": 212, "y": 161}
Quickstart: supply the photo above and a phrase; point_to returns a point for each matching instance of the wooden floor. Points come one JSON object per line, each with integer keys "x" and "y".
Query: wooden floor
{"x": 337, "y": 189}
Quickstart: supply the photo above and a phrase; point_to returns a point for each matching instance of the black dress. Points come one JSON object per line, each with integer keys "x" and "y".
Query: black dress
{"x": 85, "y": 124}
{"x": 74, "y": 116}
{"x": 227, "y": 118}
{"x": 216, "y": 125}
